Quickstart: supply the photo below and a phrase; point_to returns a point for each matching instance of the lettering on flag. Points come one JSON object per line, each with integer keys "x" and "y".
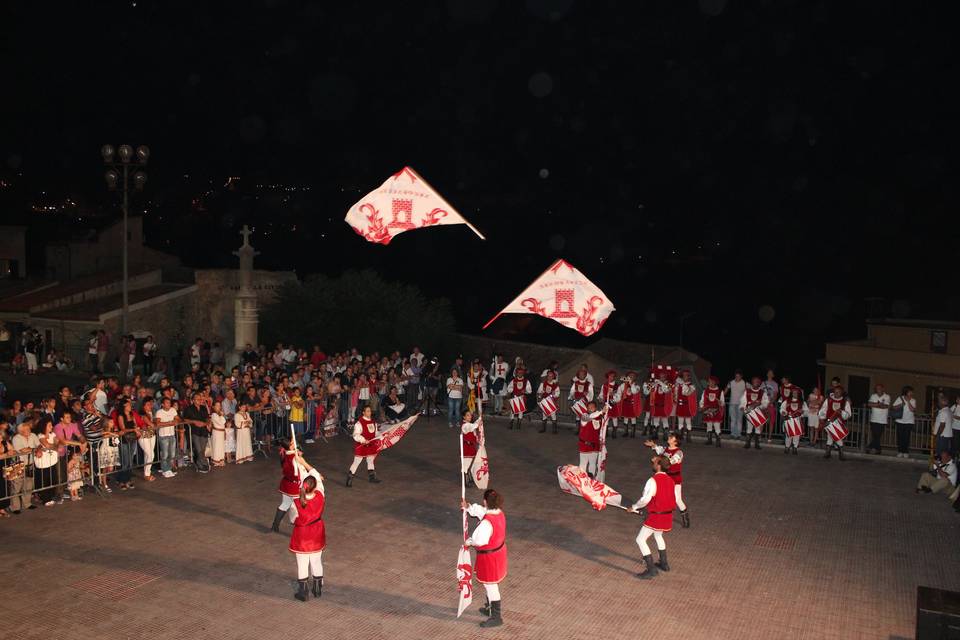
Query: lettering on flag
{"x": 576, "y": 482}
{"x": 393, "y": 435}
{"x": 403, "y": 203}
{"x": 464, "y": 580}
{"x": 565, "y": 295}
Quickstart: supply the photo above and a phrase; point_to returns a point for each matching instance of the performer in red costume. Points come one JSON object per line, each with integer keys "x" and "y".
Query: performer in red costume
{"x": 631, "y": 403}
{"x": 470, "y": 445}
{"x": 309, "y": 535}
{"x": 589, "y": 443}
{"x": 712, "y": 404}
{"x": 517, "y": 390}
{"x": 289, "y": 483}
{"x": 661, "y": 399}
{"x": 685, "y": 399}
{"x": 366, "y": 447}
{"x": 490, "y": 541}
{"x": 674, "y": 455}
{"x": 658, "y": 497}
{"x": 549, "y": 390}
{"x": 610, "y": 395}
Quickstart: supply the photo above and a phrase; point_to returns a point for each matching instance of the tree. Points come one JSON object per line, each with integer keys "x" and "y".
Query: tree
{"x": 358, "y": 309}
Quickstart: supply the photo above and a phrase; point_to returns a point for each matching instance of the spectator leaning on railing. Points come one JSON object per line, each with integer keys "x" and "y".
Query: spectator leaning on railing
{"x": 879, "y": 404}
{"x": 904, "y": 409}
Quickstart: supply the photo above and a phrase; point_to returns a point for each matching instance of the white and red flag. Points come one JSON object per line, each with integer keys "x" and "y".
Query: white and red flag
{"x": 480, "y": 467}
{"x": 563, "y": 294}
{"x": 464, "y": 580}
{"x": 576, "y": 482}
{"x": 757, "y": 418}
{"x": 837, "y": 429}
{"x": 392, "y": 435}
{"x": 403, "y": 203}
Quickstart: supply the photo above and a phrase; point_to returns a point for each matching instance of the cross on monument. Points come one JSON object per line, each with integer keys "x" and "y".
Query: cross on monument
{"x": 245, "y": 232}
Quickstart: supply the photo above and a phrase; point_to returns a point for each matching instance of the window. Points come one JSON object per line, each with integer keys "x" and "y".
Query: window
{"x": 938, "y": 341}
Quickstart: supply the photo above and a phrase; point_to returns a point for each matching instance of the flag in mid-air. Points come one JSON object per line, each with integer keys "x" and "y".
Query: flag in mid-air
{"x": 392, "y": 435}
{"x": 565, "y": 295}
{"x": 576, "y": 482}
{"x": 403, "y": 203}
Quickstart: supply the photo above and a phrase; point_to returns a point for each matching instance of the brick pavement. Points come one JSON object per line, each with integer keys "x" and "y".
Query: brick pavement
{"x": 792, "y": 547}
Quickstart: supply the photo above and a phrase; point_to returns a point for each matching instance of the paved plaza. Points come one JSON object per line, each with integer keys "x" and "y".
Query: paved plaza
{"x": 780, "y": 547}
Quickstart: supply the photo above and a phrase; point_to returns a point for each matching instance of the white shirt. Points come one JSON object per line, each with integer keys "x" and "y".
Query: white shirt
{"x": 908, "y": 408}
{"x": 945, "y": 417}
{"x": 100, "y": 401}
{"x": 30, "y": 441}
{"x": 737, "y": 387}
{"x": 457, "y": 391}
{"x": 167, "y": 415}
{"x": 47, "y": 457}
{"x": 649, "y": 490}
{"x": 468, "y": 427}
{"x": 951, "y": 470}
{"x": 416, "y": 359}
{"x": 764, "y": 400}
{"x": 481, "y": 535}
{"x": 879, "y": 415}
{"x": 845, "y": 411}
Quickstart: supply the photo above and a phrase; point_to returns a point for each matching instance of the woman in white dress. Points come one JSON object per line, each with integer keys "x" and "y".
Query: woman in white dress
{"x": 218, "y": 435}
{"x": 244, "y": 424}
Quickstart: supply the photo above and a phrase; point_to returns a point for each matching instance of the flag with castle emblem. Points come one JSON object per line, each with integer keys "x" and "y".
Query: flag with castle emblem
{"x": 403, "y": 203}
{"x": 565, "y": 295}
{"x": 576, "y": 482}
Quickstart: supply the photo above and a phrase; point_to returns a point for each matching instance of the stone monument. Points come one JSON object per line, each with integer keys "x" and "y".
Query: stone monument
{"x": 246, "y": 316}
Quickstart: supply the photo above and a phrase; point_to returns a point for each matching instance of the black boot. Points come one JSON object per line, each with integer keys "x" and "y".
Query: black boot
{"x": 662, "y": 563}
{"x": 318, "y": 584}
{"x": 746, "y": 444}
{"x": 277, "y": 517}
{"x": 709, "y": 438}
{"x": 718, "y": 440}
{"x": 372, "y": 477}
{"x": 468, "y": 479}
{"x": 826, "y": 452}
{"x": 794, "y": 450}
{"x": 543, "y": 427}
{"x": 556, "y": 428}
{"x": 786, "y": 450}
{"x": 685, "y": 519}
{"x": 302, "y": 593}
{"x": 350, "y": 476}
{"x": 633, "y": 430}
{"x": 651, "y": 571}
{"x": 614, "y": 432}
{"x": 756, "y": 441}
{"x": 840, "y": 453}
{"x": 485, "y": 609}
{"x": 494, "y": 620}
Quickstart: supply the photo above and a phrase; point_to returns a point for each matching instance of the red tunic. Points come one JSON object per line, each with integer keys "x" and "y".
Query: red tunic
{"x": 518, "y": 387}
{"x": 686, "y": 404}
{"x": 754, "y": 397}
{"x": 470, "y": 443}
{"x": 369, "y": 432}
{"x": 589, "y": 436}
{"x": 794, "y": 408}
{"x": 712, "y": 409}
{"x": 290, "y": 483}
{"x": 492, "y": 557}
{"x": 676, "y": 468}
{"x": 661, "y": 402}
{"x": 309, "y": 535}
{"x": 834, "y": 407}
{"x": 631, "y": 403}
{"x": 660, "y": 508}
{"x": 580, "y": 388}
{"x": 607, "y": 392}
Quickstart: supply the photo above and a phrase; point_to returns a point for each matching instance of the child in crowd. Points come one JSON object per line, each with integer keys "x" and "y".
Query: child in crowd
{"x": 75, "y": 475}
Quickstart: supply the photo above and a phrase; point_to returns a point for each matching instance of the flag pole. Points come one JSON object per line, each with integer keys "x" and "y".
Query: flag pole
{"x": 444, "y": 201}
{"x": 547, "y": 270}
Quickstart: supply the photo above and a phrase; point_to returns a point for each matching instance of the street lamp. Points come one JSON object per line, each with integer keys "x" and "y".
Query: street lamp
{"x": 120, "y": 163}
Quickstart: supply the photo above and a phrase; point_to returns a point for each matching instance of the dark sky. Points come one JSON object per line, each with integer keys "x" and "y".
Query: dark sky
{"x": 691, "y": 157}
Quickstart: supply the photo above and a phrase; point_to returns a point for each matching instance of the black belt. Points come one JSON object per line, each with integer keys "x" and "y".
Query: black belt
{"x": 660, "y": 513}
{"x": 481, "y": 551}
{"x": 673, "y": 473}
{"x": 589, "y": 442}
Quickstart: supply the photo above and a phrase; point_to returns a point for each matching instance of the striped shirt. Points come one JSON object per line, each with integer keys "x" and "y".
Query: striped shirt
{"x": 92, "y": 426}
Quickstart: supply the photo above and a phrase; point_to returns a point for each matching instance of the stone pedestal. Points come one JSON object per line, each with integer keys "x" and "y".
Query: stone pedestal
{"x": 246, "y": 313}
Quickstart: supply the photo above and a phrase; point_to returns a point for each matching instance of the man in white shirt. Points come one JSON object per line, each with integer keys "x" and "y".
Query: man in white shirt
{"x": 25, "y": 443}
{"x": 166, "y": 420}
{"x": 416, "y": 357}
{"x": 100, "y": 397}
{"x": 906, "y": 404}
{"x": 941, "y": 477}
{"x": 734, "y": 392}
{"x": 454, "y": 398}
{"x": 943, "y": 426}
{"x": 879, "y": 404}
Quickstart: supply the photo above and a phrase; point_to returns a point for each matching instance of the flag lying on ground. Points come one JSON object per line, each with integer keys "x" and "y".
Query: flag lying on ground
{"x": 837, "y": 429}
{"x": 548, "y": 405}
{"x": 480, "y": 467}
{"x": 793, "y": 427}
{"x": 402, "y": 203}
{"x": 579, "y": 408}
{"x": 576, "y": 482}
{"x": 518, "y": 404}
{"x": 464, "y": 580}
{"x": 392, "y": 435}
{"x": 757, "y": 418}
{"x": 563, "y": 294}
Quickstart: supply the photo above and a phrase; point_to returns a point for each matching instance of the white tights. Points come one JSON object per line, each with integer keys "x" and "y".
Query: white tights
{"x": 356, "y": 463}
{"x": 493, "y": 592}
{"x": 714, "y": 427}
{"x": 644, "y": 535}
{"x": 677, "y": 493}
{"x": 309, "y": 563}
{"x": 792, "y": 441}
{"x": 681, "y": 422}
{"x": 285, "y": 502}
{"x": 588, "y": 461}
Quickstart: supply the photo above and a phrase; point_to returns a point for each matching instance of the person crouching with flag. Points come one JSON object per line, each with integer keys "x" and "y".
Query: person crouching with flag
{"x": 674, "y": 455}
{"x": 470, "y": 443}
{"x": 490, "y": 541}
{"x": 658, "y": 497}
{"x": 289, "y": 484}
{"x": 589, "y": 443}
{"x": 366, "y": 447}
{"x": 309, "y": 535}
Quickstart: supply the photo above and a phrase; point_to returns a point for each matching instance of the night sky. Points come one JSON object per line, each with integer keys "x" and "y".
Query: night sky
{"x": 779, "y": 169}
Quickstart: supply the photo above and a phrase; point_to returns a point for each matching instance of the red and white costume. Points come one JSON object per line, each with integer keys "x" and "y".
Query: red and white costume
{"x": 833, "y": 408}
{"x": 675, "y": 471}
{"x": 685, "y": 397}
{"x": 589, "y": 442}
{"x": 793, "y": 409}
{"x": 661, "y": 403}
{"x": 549, "y": 388}
{"x": 309, "y": 537}
{"x": 630, "y": 404}
{"x": 753, "y": 397}
{"x": 470, "y": 444}
{"x": 609, "y": 395}
{"x": 659, "y": 499}
{"x": 518, "y": 387}
{"x": 712, "y": 404}
{"x": 490, "y": 541}
{"x": 581, "y": 388}
{"x": 366, "y": 445}
{"x": 647, "y": 388}
{"x": 293, "y": 472}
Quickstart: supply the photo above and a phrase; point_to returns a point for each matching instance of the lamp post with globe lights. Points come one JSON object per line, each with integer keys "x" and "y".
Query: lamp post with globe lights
{"x": 121, "y": 163}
